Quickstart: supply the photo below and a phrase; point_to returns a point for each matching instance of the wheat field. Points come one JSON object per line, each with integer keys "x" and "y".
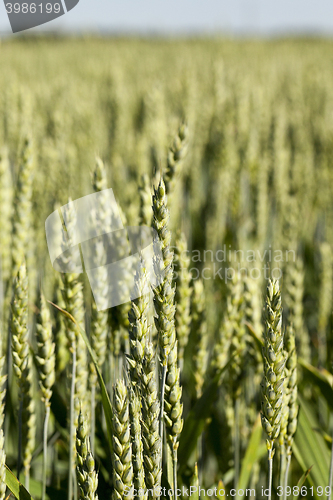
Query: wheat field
{"x": 218, "y": 381}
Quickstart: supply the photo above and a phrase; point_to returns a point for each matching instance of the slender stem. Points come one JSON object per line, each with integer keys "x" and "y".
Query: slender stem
{"x": 270, "y": 471}
{"x": 283, "y": 467}
{"x": 26, "y": 478}
{"x": 93, "y": 418}
{"x": 46, "y": 422}
{"x": 330, "y": 481}
{"x": 236, "y": 443}
{"x": 175, "y": 464}
{"x": 164, "y": 372}
{"x": 286, "y": 472}
{"x": 19, "y": 456}
{"x": 200, "y": 459}
{"x": 71, "y": 429}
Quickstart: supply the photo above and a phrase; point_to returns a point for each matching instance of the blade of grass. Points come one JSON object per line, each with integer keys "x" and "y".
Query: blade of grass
{"x": 251, "y": 456}
{"x": 309, "y": 447}
{"x": 17, "y": 489}
{"x": 302, "y": 480}
{"x": 320, "y": 378}
{"x": 196, "y": 419}
{"x": 105, "y": 396}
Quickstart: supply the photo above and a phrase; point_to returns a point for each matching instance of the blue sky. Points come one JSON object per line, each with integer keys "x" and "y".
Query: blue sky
{"x": 187, "y": 16}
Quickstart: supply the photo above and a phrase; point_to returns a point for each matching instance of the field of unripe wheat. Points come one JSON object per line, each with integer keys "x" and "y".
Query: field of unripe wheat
{"x": 220, "y": 378}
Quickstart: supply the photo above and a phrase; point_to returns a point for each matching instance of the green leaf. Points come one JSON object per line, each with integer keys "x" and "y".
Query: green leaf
{"x": 302, "y": 480}
{"x": 104, "y": 393}
{"x": 197, "y": 417}
{"x": 255, "y": 335}
{"x": 251, "y": 456}
{"x": 17, "y": 489}
{"x": 310, "y": 448}
{"x": 220, "y": 488}
{"x": 320, "y": 378}
{"x": 195, "y": 484}
{"x": 169, "y": 464}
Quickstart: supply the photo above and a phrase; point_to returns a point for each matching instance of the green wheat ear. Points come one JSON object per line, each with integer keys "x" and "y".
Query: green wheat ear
{"x": 182, "y": 295}
{"x": 292, "y": 386}
{"x": 152, "y": 444}
{"x": 85, "y": 470}
{"x": 138, "y": 325}
{"x": 6, "y": 204}
{"x": 22, "y": 207}
{"x": 199, "y": 333}
{"x": 165, "y": 292}
{"x": 22, "y": 366}
{"x": 145, "y": 212}
{"x": 137, "y": 445}
{"x": 121, "y": 444}
{"x": 176, "y": 155}
{"x": 274, "y": 363}
{"x": 2, "y": 414}
{"x": 45, "y": 356}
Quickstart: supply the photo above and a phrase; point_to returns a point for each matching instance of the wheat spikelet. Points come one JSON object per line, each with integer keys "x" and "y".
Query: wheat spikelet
{"x": 292, "y": 386}
{"x": 6, "y": 195}
{"x": 231, "y": 338}
{"x": 22, "y": 207}
{"x": 22, "y": 365}
{"x": 294, "y": 292}
{"x": 145, "y": 212}
{"x": 172, "y": 399}
{"x": 199, "y": 333}
{"x": 164, "y": 293}
{"x": 61, "y": 340}
{"x": 2, "y": 414}
{"x": 85, "y": 469}
{"x": 182, "y": 295}
{"x": 152, "y": 445}
{"x": 122, "y": 447}
{"x": 325, "y": 299}
{"x": 73, "y": 298}
{"x": 45, "y": 356}
{"x": 99, "y": 318}
{"x": 138, "y": 325}
{"x": 176, "y": 154}
{"x": 137, "y": 446}
{"x": 274, "y": 364}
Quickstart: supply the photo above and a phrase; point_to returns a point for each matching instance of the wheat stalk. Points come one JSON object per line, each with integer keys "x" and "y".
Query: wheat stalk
{"x": 22, "y": 207}
{"x": 152, "y": 444}
{"x": 200, "y": 334}
{"x": 165, "y": 292}
{"x": 22, "y": 366}
{"x": 73, "y": 298}
{"x": 85, "y": 470}
{"x": 137, "y": 446}
{"x": 274, "y": 363}
{"x": 121, "y": 444}
{"x": 182, "y": 295}
{"x": 45, "y": 358}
